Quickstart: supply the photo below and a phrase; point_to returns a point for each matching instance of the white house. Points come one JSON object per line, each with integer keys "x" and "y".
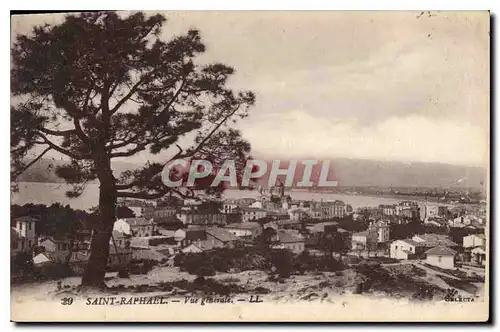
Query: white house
{"x": 388, "y": 210}
{"x": 382, "y": 228}
{"x": 441, "y": 256}
{"x": 332, "y": 209}
{"x": 229, "y": 207}
{"x": 478, "y": 255}
{"x": 52, "y": 245}
{"x": 296, "y": 213}
{"x": 406, "y": 249}
{"x": 193, "y": 248}
{"x": 41, "y": 258}
{"x": 428, "y": 211}
{"x": 257, "y": 204}
{"x": 23, "y": 236}
{"x": 245, "y": 230}
{"x": 137, "y": 210}
{"x": 179, "y": 235}
{"x": 252, "y": 213}
{"x": 362, "y": 240}
{"x": 134, "y": 226}
{"x": 434, "y": 240}
{"x": 290, "y": 241}
{"x": 60, "y": 257}
{"x": 474, "y": 240}
{"x": 314, "y": 213}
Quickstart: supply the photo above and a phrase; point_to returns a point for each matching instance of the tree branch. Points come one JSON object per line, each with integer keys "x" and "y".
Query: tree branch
{"x": 131, "y": 92}
{"x": 200, "y": 145}
{"x": 15, "y": 174}
{"x": 156, "y": 195}
{"x": 60, "y": 149}
{"x": 79, "y": 131}
{"x": 146, "y": 126}
{"x": 56, "y": 132}
{"x": 128, "y": 153}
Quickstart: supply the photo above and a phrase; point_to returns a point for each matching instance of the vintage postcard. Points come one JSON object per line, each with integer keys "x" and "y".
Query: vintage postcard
{"x": 250, "y": 166}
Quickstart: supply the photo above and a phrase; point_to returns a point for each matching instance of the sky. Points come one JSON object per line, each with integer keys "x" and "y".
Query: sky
{"x": 396, "y": 86}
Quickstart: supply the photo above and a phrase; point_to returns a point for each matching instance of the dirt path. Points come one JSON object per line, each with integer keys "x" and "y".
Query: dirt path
{"x": 432, "y": 277}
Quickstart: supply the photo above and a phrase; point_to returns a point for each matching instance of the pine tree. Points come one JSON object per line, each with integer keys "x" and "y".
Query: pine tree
{"x": 102, "y": 86}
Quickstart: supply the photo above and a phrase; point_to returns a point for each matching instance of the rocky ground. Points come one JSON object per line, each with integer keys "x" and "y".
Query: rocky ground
{"x": 407, "y": 281}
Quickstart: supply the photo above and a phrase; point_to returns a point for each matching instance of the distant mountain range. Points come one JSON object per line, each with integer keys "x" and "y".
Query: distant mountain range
{"x": 365, "y": 173}
{"x": 349, "y": 173}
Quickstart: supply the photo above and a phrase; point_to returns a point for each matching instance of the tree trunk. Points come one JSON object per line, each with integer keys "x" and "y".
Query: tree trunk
{"x": 70, "y": 252}
{"x": 99, "y": 247}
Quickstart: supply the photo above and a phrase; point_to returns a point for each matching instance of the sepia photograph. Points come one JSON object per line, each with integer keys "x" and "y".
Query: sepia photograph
{"x": 246, "y": 166}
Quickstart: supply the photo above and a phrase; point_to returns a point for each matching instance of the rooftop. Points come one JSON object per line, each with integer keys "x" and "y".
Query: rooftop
{"x": 286, "y": 237}
{"x": 244, "y": 225}
{"x": 434, "y": 240}
{"x": 320, "y": 227}
{"x": 202, "y": 245}
{"x": 26, "y": 219}
{"x": 222, "y": 234}
{"x": 251, "y": 209}
{"x": 441, "y": 251}
{"x": 134, "y": 222}
{"x": 413, "y": 243}
{"x": 76, "y": 256}
{"x": 481, "y": 236}
{"x": 167, "y": 220}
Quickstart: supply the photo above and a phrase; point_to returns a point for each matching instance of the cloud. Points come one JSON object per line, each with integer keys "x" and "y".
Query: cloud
{"x": 296, "y": 133}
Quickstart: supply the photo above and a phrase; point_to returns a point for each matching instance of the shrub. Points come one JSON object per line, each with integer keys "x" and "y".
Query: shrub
{"x": 230, "y": 280}
{"x": 123, "y": 273}
{"x": 54, "y": 271}
{"x": 178, "y": 259}
{"x": 22, "y": 267}
{"x": 141, "y": 266}
{"x": 339, "y": 283}
{"x": 423, "y": 292}
{"x": 283, "y": 262}
{"x": 261, "y": 290}
{"x": 222, "y": 260}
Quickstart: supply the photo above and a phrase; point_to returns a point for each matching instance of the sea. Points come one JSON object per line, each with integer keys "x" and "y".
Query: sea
{"x": 49, "y": 193}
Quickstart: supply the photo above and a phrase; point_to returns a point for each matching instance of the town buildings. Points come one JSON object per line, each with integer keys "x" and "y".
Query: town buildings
{"x": 388, "y": 210}
{"x": 336, "y": 209}
{"x": 381, "y": 229}
{"x": 135, "y": 226}
{"x": 441, "y": 256}
{"x": 166, "y": 230}
{"x": 151, "y": 212}
{"x": 200, "y": 240}
{"x": 364, "y": 241}
{"x": 252, "y": 213}
{"x": 52, "y": 244}
{"x": 300, "y": 213}
{"x": 416, "y": 247}
{"x": 248, "y": 230}
{"x": 432, "y": 210}
{"x": 290, "y": 241}
{"x": 229, "y": 207}
{"x": 22, "y": 235}
{"x": 195, "y": 217}
{"x": 474, "y": 240}
{"x": 406, "y": 249}
{"x": 478, "y": 256}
